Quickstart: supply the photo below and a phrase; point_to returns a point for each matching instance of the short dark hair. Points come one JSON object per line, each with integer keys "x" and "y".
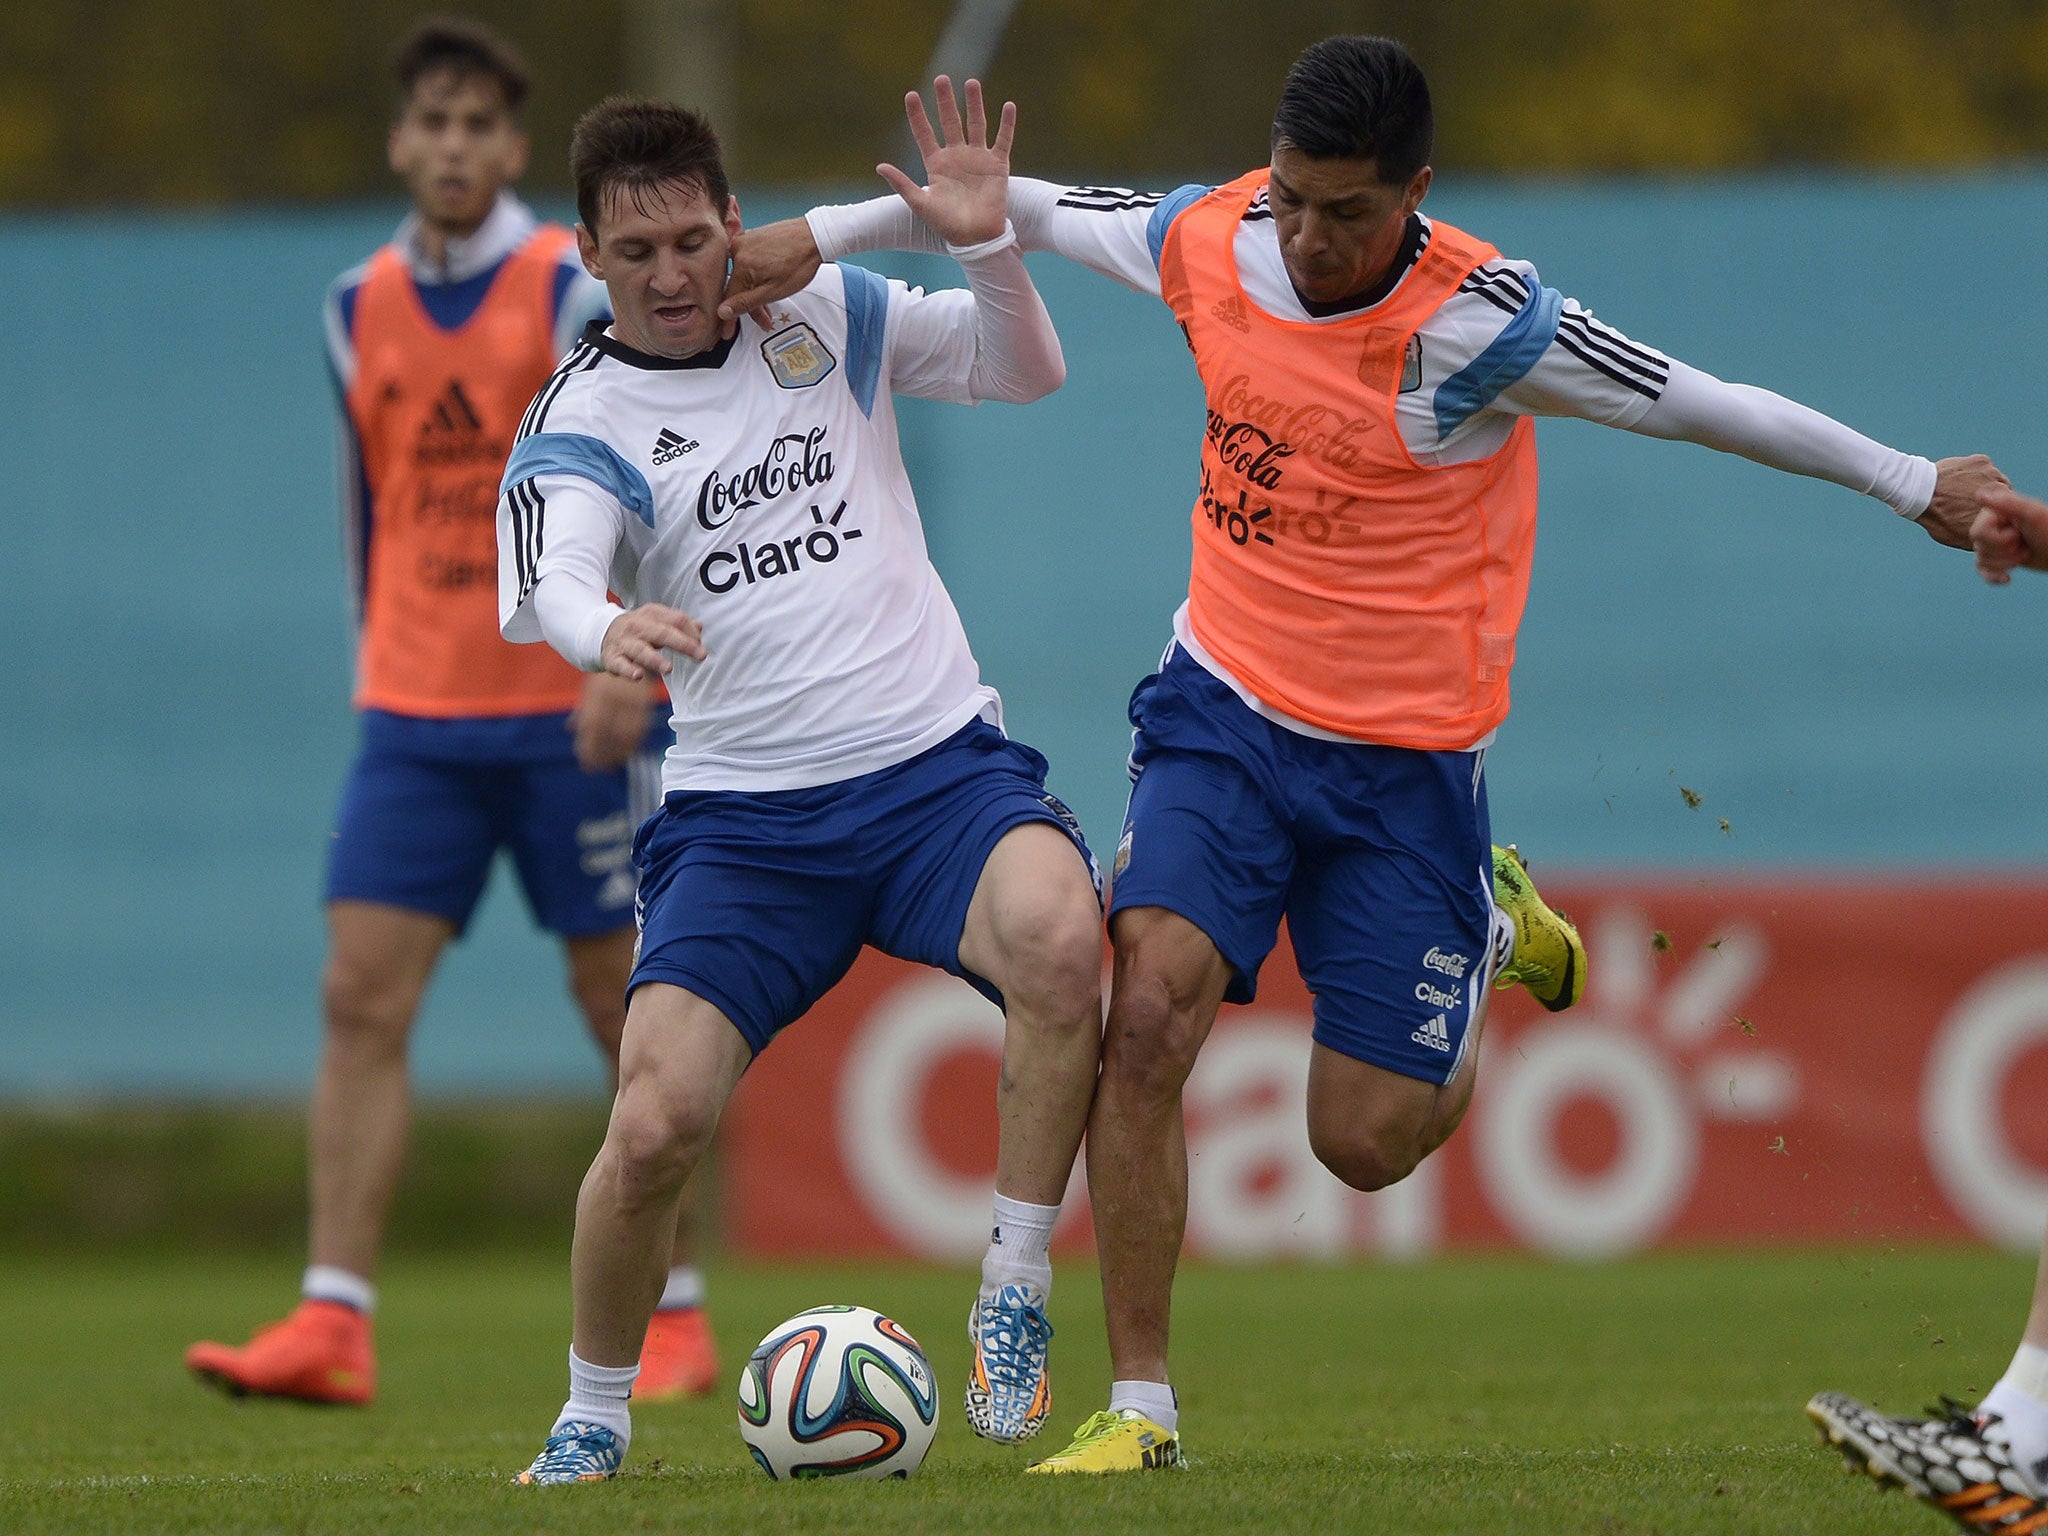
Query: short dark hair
{"x": 633, "y": 145}
{"x": 464, "y": 46}
{"x": 1358, "y": 98}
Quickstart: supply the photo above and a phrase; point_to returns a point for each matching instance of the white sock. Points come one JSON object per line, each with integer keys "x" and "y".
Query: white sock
{"x": 597, "y": 1395}
{"x": 2021, "y": 1402}
{"x": 685, "y": 1288}
{"x": 327, "y": 1282}
{"x": 1018, "y": 1245}
{"x": 1154, "y": 1399}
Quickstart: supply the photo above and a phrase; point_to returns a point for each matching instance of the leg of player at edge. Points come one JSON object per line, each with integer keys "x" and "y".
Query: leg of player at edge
{"x": 1985, "y": 1468}
{"x": 1369, "y": 1126}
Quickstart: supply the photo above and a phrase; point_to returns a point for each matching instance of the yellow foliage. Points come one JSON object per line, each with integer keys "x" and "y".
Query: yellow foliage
{"x": 209, "y": 100}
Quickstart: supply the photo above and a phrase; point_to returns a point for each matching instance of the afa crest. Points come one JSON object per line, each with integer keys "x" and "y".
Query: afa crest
{"x": 797, "y": 357}
{"x": 1411, "y": 366}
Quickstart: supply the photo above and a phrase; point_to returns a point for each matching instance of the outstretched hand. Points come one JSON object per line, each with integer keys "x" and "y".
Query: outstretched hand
{"x": 1957, "y": 485}
{"x": 967, "y": 178}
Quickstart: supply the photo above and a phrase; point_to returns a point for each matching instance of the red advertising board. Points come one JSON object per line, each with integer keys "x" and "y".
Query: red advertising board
{"x": 1758, "y": 1060}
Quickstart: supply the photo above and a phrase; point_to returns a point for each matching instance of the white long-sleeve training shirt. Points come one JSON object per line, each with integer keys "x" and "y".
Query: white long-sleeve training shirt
{"x": 760, "y": 488}
{"x": 1590, "y": 370}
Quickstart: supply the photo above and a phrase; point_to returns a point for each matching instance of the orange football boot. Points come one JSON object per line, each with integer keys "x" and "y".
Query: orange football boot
{"x": 319, "y": 1354}
{"x": 679, "y": 1359}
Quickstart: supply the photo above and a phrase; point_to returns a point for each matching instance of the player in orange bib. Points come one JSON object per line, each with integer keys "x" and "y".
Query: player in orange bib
{"x": 1313, "y": 745}
{"x": 438, "y": 344}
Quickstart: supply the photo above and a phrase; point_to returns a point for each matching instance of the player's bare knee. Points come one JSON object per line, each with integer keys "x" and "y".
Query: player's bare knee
{"x": 1053, "y": 949}
{"x": 365, "y": 1008}
{"x": 654, "y": 1145}
{"x": 1364, "y": 1159}
{"x": 1149, "y": 1046}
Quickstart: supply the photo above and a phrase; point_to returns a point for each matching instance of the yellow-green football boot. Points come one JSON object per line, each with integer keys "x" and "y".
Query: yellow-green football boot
{"x": 1116, "y": 1442}
{"x": 1549, "y": 958}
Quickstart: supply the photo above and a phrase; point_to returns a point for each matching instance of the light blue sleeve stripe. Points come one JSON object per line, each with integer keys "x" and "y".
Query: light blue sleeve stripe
{"x": 1171, "y": 207}
{"x": 588, "y": 458}
{"x": 1518, "y": 348}
{"x": 867, "y": 330}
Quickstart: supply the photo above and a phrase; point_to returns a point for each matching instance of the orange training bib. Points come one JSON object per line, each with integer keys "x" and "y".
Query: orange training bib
{"x": 436, "y": 412}
{"x": 1335, "y": 577}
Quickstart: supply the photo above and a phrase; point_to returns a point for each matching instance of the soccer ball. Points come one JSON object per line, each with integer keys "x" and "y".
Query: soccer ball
{"x": 838, "y": 1392}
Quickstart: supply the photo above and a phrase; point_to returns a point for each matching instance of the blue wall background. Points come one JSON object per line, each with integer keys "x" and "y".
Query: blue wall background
{"x": 173, "y": 668}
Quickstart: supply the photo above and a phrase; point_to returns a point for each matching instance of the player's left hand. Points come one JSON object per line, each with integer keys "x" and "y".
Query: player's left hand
{"x": 768, "y": 263}
{"x": 1957, "y": 485}
{"x": 969, "y": 178}
{"x": 610, "y": 721}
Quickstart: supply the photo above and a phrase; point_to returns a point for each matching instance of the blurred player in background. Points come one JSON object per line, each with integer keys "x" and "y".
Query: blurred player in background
{"x": 841, "y": 776}
{"x": 470, "y": 744}
{"x": 1987, "y": 1467}
{"x": 1313, "y": 744}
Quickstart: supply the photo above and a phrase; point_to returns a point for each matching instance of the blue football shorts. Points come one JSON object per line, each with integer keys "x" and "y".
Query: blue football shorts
{"x": 428, "y": 804}
{"x": 760, "y": 902}
{"x": 1378, "y": 857}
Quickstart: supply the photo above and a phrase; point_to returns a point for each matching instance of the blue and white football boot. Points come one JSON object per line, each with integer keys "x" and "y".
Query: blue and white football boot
{"x": 1008, "y": 1393}
{"x": 577, "y": 1452}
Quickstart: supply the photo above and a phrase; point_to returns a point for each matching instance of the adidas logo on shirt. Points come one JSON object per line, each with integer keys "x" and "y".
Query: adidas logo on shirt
{"x": 671, "y": 445}
{"x": 1436, "y": 1034}
{"x": 1231, "y": 312}
{"x": 453, "y": 433}
{"x": 452, "y": 412}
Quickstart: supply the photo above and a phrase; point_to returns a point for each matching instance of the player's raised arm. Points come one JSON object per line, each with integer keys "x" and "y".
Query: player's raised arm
{"x": 966, "y": 195}
{"x": 1110, "y": 229}
{"x": 963, "y": 202}
{"x": 999, "y": 330}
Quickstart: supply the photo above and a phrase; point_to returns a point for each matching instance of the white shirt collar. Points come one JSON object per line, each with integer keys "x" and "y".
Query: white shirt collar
{"x": 502, "y": 232}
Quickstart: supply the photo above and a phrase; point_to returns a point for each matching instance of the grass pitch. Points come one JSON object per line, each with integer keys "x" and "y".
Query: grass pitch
{"x": 1496, "y": 1394}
